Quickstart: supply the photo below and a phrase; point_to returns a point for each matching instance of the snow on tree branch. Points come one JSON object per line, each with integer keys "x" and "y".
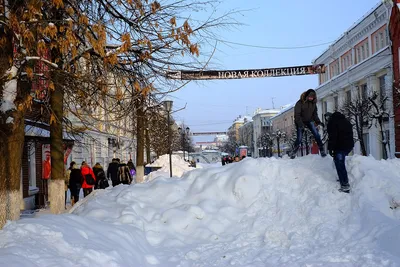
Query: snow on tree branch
{"x": 9, "y": 91}
{"x": 54, "y": 65}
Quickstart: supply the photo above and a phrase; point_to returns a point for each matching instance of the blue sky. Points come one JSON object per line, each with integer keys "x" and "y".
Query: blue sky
{"x": 214, "y": 105}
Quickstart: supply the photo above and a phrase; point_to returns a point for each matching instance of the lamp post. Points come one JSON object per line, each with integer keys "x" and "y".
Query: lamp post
{"x": 168, "y": 108}
{"x": 183, "y": 134}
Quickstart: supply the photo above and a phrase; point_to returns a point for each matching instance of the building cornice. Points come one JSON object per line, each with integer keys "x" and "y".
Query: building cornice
{"x": 370, "y": 23}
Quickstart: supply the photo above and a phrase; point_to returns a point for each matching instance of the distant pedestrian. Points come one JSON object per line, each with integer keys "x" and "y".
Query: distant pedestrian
{"x": 66, "y": 180}
{"x": 340, "y": 144}
{"x": 101, "y": 179}
{"x": 306, "y": 115}
{"x": 112, "y": 172}
{"x": 75, "y": 183}
{"x": 89, "y": 180}
{"x": 124, "y": 174}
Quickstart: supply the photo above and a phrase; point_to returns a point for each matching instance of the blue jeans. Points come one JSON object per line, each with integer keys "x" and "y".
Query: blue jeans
{"x": 339, "y": 159}
{"x": 300, "y": 131}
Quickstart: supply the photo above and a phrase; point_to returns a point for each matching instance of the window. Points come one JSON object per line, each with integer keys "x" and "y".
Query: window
{"x": 382, "y": 39}
{"x": 382, "y": 89}
{"x": 348, "y": 96}
{"x": 358, "y": 55}
{"x": 336, "y": 103}
{"x": 364, "y": 91}
{"x": 367, "y": 50}
{"x": 366, "y": 143}
{"x": 362, "y": 53}
{"x": 98, "y": 148}
{"x": 385, "y": 140}
{"x": 377, "y": 48}
{"x": 382, "y": 86}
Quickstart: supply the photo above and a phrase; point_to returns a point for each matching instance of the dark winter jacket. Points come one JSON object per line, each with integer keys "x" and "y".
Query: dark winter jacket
{"x": 340, "y": 133}
{"x": 124, "y": 174}
{"x": 305, "y": 110}
{"x": 112, "y": 170}
{"x": 131, "y": 165}
{"x": 75, "y": 177}
{"x": 99, "y": 172}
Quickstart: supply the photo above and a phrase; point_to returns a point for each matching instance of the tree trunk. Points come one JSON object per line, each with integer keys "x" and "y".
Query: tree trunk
{"x": 12, "y": 136}
{"x": 148, "y": 151}
{"x": 57, "y": 191}
{"x": 140, "y": 141}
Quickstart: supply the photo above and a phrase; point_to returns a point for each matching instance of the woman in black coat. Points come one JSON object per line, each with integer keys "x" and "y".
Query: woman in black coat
{"x": 75, "y": 183}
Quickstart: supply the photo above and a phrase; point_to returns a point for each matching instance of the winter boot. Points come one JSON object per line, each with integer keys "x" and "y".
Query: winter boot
{"x": 345, "y": 189}
{"x": 323, "y": 153}
{"x": 293, "y": 153}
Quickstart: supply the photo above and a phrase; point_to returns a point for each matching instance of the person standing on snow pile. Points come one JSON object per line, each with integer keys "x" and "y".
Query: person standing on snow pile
{"x": 112, "y": 172}
{"x": 306, "y": 115}
{"x": 124, "y": 174}
{"x": 340, "y": 144}
{"x": 89, "y": 180}
{"x": 101, "y": 180}
{"x": 75, "y": 183}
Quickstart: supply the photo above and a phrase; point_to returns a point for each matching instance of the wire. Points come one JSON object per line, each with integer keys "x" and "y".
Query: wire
{"x": 275, "y": 47}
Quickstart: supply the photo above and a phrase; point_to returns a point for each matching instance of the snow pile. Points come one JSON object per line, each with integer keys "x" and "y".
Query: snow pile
{"x": 179, "y": 167}
{"x": 258, "y": 212}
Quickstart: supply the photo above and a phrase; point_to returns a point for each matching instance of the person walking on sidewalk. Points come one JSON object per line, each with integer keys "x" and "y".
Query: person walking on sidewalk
{"x": 75, "y": 183}
{"x": 306, "y": 115}
{"x": 124, "y": 174}
{"x": 89, "y": 180}
{"x": 340, "y": 144}
{"x": 112, "y": 172}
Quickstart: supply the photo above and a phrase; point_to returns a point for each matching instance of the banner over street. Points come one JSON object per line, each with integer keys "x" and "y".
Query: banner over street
{"x": 244, "y": 74}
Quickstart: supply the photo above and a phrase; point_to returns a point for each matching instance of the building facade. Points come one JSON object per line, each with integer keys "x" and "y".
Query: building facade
{"x": 261, "y": 124}
{"x": 358, "y": 64}
{"x": 283, "y": 122}
{"x": 394, "y": 29}
{"x": 246, "y": 135}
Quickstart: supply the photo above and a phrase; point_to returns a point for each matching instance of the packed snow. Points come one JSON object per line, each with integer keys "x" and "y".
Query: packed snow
{"x": 179, "y": 167}
{"x": 257, "y": 212}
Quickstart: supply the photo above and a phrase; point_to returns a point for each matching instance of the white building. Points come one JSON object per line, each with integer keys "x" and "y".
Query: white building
{"x": 261, "y": 124}
{"x": 357, "y": 64}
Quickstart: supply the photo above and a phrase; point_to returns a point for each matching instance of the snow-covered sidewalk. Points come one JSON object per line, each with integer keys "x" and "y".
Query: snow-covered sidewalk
{"x": 258, "y": 212}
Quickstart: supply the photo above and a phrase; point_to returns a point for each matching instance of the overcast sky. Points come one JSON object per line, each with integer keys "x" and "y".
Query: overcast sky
{"x": 214, "y": 105}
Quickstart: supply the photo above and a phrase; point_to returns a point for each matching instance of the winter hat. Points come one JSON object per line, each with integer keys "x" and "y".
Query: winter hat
{"x": 327, "y": 115}
{"x": 311, "y": 92}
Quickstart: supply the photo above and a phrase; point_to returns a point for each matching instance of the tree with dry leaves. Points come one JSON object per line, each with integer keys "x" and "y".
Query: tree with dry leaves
{"x": 90, "y": 48}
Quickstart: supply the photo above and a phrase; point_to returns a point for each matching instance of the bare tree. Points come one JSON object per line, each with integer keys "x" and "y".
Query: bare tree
{"x": 232, "y": 144}
{"x": 358, "y": 112}
{"x": 380, "y": 114}
{"x": 266, "y": 142}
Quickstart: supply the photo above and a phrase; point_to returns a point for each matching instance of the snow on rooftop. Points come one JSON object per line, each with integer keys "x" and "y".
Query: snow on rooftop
{"x": 257, "y": 212}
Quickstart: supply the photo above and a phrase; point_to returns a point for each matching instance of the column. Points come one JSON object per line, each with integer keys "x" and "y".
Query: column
{"x": 330, "y": 104}
{"x": 375, "y": 143}
{"x": 341, "y": 98}
{"x": 389, "y": 106}
{"x": 354, "y": 95}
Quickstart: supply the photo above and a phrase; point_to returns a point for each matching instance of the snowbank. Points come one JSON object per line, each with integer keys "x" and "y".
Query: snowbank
{"x": 179, "y": 167}
{"x": 258, "y": 212}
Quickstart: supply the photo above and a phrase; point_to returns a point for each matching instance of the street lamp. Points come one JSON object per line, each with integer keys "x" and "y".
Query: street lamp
{"x": 168, "y": 108}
